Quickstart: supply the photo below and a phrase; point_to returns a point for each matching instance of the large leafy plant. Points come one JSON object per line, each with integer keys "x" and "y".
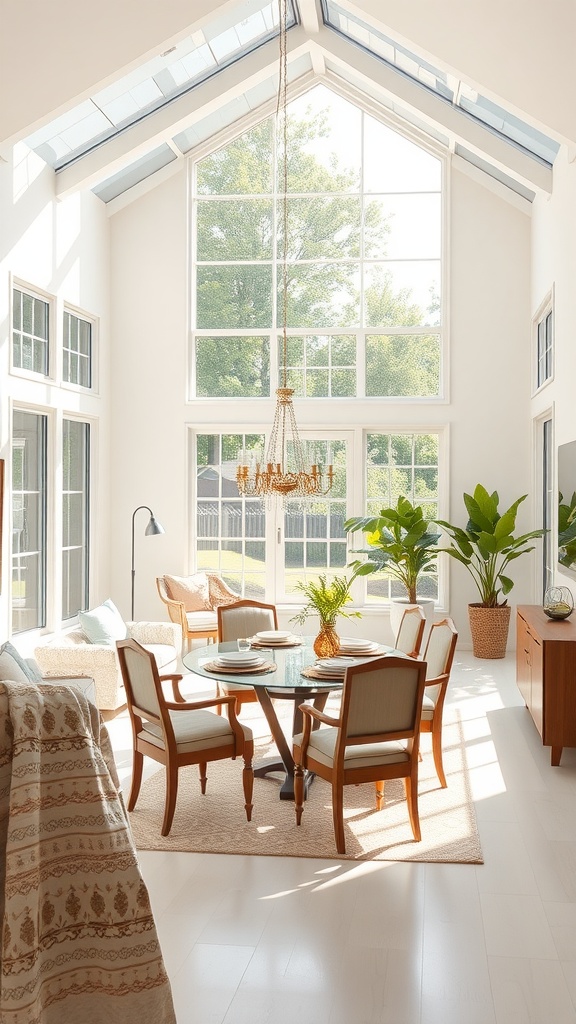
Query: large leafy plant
{"x": 328, "y": 599}
{"x": 401, "y": 544}
{"x": 487, "y": 545}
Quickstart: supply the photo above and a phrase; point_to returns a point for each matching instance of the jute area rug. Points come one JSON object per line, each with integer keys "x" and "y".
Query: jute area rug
{"x": 216, "y": 822}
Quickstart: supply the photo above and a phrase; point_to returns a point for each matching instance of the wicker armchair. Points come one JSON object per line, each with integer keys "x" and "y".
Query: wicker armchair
{"x": 197, "y": 618}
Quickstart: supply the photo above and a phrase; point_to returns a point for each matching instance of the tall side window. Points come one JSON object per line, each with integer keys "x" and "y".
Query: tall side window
{"x": 28, "y": 521}
{"x": 77, "y": 350}
{"x": 401, "y": 464}
{"x": 544, "y": 348}
{"x": 548, "y": 505}
{"x": 75, "y": 516}
{"x": 30, "y": 327}
{"x": 230, "y": 529}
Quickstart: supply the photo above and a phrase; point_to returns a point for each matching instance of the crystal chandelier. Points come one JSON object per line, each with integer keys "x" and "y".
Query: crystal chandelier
{"x": 275, "y": 477}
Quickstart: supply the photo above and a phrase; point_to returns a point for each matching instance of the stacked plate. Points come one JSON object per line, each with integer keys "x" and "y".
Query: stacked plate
{"x": 333, "y": 666}
{"x": 350, "y": 645}
{"x": 239, "y": 659}
{"x": 274, "y": 637}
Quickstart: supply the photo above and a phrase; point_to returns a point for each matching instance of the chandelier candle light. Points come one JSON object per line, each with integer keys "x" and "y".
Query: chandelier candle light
{"x": 274, "y": 478}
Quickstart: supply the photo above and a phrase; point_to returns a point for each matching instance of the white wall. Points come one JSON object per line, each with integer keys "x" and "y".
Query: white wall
{"x": 61, "y": 248}
{"x": 490, "y": 366}
{"x": 149, "y": 295}
{"x": 554, "y": 265}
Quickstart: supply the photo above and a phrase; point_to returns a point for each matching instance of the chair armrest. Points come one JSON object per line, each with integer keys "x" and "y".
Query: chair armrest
{"x": 219, "y": 591}
{"x": 175, "y": 680}
{"x": 156, "y": 633}
{"x": 310, "y": 714}
{"x": 59, "y": 659}
{"x": 307, "y": 709}
{"x": 197, "y": 705}
{"x": 176, "y": 609}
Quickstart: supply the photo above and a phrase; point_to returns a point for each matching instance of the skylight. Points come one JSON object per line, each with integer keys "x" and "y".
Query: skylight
{"x": 158, "y": 81}
{"x": 448, "y": 88}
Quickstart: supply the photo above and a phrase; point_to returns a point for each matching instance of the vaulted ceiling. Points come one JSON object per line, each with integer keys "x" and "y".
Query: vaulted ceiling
{"x": 221, "y": 72}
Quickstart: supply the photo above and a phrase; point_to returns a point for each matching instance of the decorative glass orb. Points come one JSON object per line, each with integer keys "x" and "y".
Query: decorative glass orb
{"x": 558, "y": 602}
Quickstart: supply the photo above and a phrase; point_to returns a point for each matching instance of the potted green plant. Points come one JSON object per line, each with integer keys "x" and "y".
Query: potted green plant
{"x": 486, "y": 547}
{"x": 328, "y": 600}
{"x": 403, "y": 545}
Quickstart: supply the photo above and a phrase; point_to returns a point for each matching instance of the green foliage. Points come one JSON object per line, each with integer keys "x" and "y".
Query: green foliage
{"x": 329, "y": 228}
{"x": 402, "y": 545}
{"x": 567, "y": 531}
{"x": 487, "y": 544}
{"x": 327, "y": 599}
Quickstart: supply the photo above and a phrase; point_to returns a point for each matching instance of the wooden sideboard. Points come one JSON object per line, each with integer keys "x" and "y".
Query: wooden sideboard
{"x": 546, "y": 675}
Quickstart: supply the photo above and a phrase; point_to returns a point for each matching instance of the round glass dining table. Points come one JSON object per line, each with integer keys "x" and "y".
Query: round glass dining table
{"x": 285, "y": 682}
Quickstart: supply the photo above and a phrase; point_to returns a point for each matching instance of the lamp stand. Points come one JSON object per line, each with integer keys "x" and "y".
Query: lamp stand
{"x": 153, "y": 528}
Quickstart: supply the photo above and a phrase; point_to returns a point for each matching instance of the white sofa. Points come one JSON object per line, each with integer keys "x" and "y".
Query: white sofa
{"x": 72, "y": 654}
{"x": 14, "y": 668}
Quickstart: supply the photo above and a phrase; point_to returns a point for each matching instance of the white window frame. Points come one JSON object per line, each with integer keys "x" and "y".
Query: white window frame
{"x": 442, "y": 329}
{"x": 355, "y": 436}
{"x": 45, "y": 542}
{"x": 37, "y": 293}
{"x": 87, "y": 497}
{"x": 540, "y": 320}
{"x": 81, "y": 314}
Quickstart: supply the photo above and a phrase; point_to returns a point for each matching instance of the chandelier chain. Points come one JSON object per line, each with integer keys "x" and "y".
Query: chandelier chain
{"x": 274, "y": 478}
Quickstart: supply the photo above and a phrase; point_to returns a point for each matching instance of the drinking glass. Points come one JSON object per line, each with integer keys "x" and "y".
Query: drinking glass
{"x": 244, "y": 644}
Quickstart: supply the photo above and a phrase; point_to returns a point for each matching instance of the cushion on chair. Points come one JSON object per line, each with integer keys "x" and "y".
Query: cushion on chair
{"x": 104, "y": 624}
{"x": 360, "y": 755}
{"x": 428, "y": 706}
{"x": 192, "y": 591}
{"x": 219, "y": 592}
{"x": 201, "y": 621}
{"x": 14, "y": 668}
{"x": 194, "y": 730}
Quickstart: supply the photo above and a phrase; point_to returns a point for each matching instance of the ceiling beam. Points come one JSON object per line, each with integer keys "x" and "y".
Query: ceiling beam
{"x": 373, "y": 75}
{"x": 166, "y": 122}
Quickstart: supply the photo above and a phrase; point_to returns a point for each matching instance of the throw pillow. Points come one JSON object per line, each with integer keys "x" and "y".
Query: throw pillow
{"x": 219, "y": 593}
{"x": 104, "y": 624}
{"x": 192, "y": 591}
{"x": 14, "y": 668}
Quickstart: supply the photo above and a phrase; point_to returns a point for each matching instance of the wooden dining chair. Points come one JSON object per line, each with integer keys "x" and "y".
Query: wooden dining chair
{"x": 243, "y": 619}
{"x": 411, "y": 631}
{"x": 374, "y": 738}
{"x": 438, "y": 655}
{"x": 178, "y": 733}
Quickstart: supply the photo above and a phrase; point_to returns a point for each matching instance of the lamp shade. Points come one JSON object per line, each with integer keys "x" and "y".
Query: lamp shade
{"x": 153, "y": 527}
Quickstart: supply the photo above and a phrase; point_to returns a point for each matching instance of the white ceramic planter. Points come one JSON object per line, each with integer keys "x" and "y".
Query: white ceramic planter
{"x": 398, "y": 606}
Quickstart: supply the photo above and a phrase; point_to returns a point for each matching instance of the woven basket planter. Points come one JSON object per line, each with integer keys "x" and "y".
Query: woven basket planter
{"x": 489, "y": 628}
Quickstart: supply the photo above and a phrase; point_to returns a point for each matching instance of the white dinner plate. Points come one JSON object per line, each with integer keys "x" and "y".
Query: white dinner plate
{"x": 367, "y": 649}
{"x": 340, "y": 664}
{"x": 274, "y": 634}
{"x": 352, "y": 643}
{"x": 329, "y": 673}
{"x": 240, "y": 658}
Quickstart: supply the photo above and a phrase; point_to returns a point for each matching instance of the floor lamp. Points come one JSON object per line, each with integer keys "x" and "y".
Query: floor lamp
{"x": 153, "y": 528}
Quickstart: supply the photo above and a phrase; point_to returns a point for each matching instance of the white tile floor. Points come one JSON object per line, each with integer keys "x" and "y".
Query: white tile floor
{"x": 268, "y": 940}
